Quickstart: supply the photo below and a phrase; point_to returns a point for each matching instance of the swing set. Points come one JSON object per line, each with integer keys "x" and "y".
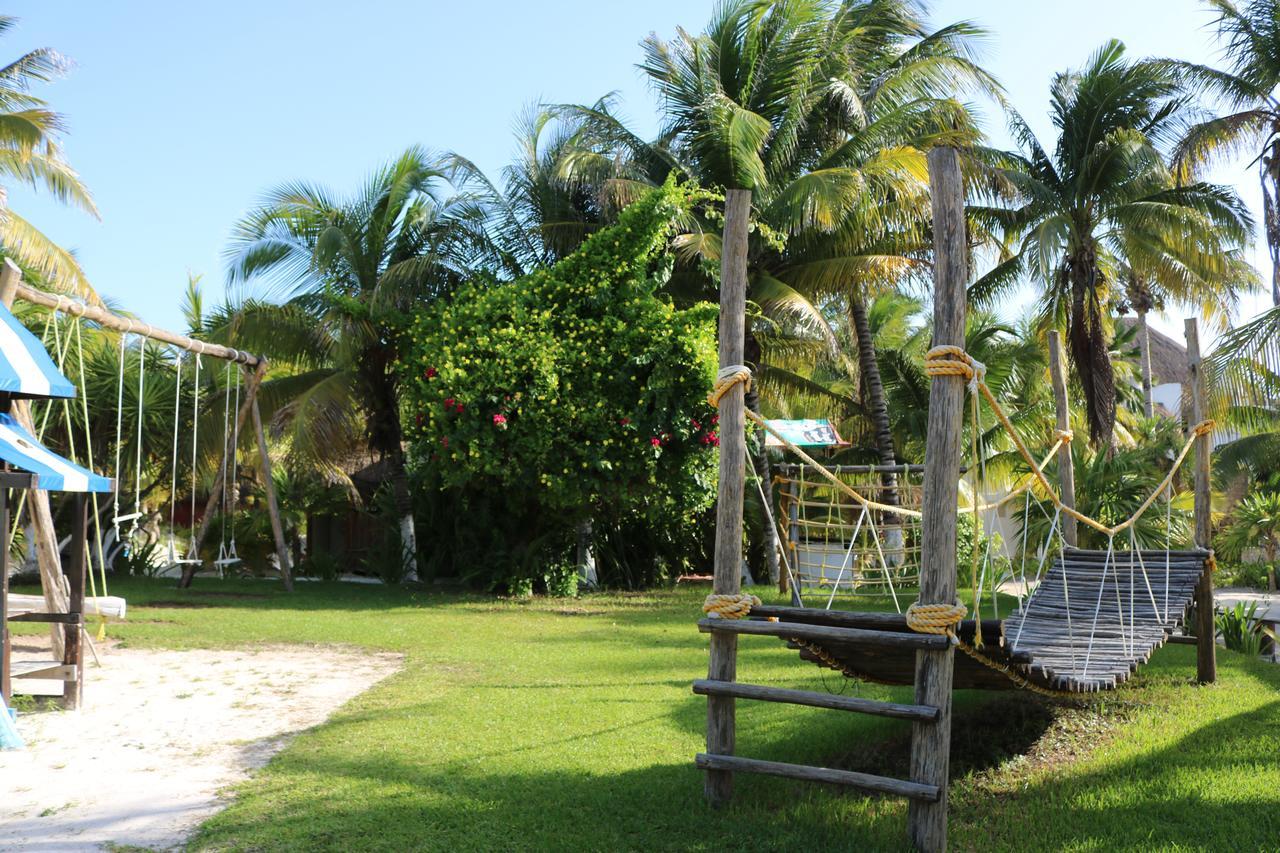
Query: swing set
{"x": 126, "y": 530}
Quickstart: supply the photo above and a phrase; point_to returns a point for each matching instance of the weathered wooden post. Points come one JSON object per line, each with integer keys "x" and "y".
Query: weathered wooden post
{"x": 1206, "y": 648}
{"x": 718, "y": 785}
{"x": 931, "y": 742}
{"x": 77, "y": 564}
{"x": 1066, "y": 467}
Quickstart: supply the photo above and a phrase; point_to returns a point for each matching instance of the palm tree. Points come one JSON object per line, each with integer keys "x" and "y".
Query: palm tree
{"x": 1247, "y": 86}
{"x": 348, "y": 269}
{"x": 812, "y": 108}
{"x": 31, "y": 154}
{"x": 1106, "y": 198}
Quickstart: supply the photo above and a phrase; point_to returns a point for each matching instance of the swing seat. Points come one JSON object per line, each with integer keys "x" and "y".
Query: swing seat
{"x": 226, "y": 561}
{"x": 120, "y": 519}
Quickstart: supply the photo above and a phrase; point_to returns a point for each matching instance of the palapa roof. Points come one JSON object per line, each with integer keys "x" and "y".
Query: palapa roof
{"x": 1168, "y": 357}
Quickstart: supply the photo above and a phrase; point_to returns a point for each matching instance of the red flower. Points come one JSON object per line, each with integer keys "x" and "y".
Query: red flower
{"x": 500, "y": 420}
{"x": 460, "y": 408}
{"x": 696, "y": 425}
{"x": 624, "y": 421}
{"x": 655, "y": 441}
{"x": 448, "y": 402}
{"x": 430, "y": 373}
{"x": 420, "y": 418}
{"x": 444, "y": 441}
{"x": 715, "y": 419}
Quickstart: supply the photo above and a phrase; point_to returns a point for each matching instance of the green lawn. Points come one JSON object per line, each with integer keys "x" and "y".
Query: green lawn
{"x": 570, "y": 725}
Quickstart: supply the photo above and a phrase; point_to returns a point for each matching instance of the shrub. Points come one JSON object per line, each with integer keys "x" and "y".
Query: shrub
{"x": 1241, "y": 632}
{"x": 574, "y": 392}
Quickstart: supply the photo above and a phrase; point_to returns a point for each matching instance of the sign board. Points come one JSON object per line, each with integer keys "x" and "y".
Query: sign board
{"x": 810, "y": 432}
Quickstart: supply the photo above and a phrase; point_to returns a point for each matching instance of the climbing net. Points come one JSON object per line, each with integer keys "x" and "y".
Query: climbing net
{"x": 839, "y": 547}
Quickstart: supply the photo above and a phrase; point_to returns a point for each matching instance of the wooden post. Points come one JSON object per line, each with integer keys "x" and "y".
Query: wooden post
{"x": 6, "y": 689}
{"x": 73, "y": 656}
{"x": 1206, "y": 647}
{"x": 793, "y": 541}
{"x": 252, "y": 380}
{"x": 273, "y": 509}
{"x": 931, "y": 742}
{"x": 48, "y": 556}
{"x": 1066, "y": 467}
{"x": 718, "y": 785}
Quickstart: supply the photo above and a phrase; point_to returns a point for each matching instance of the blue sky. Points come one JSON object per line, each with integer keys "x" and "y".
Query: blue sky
{"x": 182, "y": 114}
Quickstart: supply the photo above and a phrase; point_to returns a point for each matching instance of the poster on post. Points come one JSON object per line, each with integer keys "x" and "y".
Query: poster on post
{"x": 808, "y": 432}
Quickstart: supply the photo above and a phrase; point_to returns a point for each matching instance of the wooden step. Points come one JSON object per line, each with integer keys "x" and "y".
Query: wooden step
{"x": 886, "y": 639}
{"x": 920, "y": 713}
{"x": 865, "y": 781}
{"x": 53, "y": 670}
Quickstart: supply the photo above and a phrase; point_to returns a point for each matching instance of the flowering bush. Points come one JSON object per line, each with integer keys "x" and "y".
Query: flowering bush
{"x": 574, "y": 392}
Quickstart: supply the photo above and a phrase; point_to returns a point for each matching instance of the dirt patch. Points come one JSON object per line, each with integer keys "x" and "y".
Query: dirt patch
{"x": 161, "y": 734}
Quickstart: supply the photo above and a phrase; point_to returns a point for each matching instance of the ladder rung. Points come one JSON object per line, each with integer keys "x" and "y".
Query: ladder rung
{"x": 865, "y": 637}
{"x": 920, "y": 713}
{"x": 865, "y": 781}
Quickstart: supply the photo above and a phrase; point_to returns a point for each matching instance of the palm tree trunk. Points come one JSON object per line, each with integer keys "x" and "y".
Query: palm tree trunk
{"x": 1144, "y": 351}
{"x": 878, "y": 408}
{"x": 1270, "y": 173}
{"x": 1089, "y": 348}
{"x": 404, "y": 507}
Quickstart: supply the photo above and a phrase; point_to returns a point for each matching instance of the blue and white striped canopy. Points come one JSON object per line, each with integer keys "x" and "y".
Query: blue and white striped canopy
{"x": 53, "y": 473}
{"x": 26, "y": 370}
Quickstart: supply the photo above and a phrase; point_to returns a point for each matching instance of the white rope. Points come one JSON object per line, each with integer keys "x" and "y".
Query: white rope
{"x": 1097, "y": 608}
{"x": 768, "y": 513}
{"x": 119, "y": 434}
{"x": 195, "y": 445}
{"x": 848, "y": 557}
{"x": 173, "y": 458}
{"x": 875, "y": 536}
{"x": 137, "y": 471}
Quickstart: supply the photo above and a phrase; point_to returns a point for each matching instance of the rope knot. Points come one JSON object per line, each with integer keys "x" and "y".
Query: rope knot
{"x": 726, "y": 378}
{"x": 1064, "y": 435}
{"x": 1203, "y": 428}
{"x": 948, "y": 360}
{"x": 936, "y": 618}
{"x": 1211, "y": 562}
{"x": 729, "y": 605}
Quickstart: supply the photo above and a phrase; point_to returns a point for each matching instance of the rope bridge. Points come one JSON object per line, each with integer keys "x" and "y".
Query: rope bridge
{"x": 1092, "y": 618}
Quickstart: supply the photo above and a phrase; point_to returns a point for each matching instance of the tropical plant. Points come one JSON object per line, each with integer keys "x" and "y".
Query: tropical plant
{"x": 1105, "y": 198}
{"x": 1247, "y": 88}
{"x": 1254, "y": 523}
{"x": 349, "y": 270}
{"x": 533, "y": 426}
{"x": 31, "y": 154}
{"x": 1240, "y": 629}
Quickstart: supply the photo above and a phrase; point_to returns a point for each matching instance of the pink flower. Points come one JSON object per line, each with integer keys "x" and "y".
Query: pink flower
{"x": 655, "y": 441}
{"x": 500, "y": 420}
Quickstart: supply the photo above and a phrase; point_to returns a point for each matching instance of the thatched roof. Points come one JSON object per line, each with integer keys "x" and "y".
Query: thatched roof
{"x": 1168, "y": 357}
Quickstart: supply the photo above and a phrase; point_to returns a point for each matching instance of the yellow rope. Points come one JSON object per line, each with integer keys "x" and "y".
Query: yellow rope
{"x": 936, "y": 618}
{"x": 954, "y": 361}
{"x": 729, "y": 605}
{"x": 726, "y": 379}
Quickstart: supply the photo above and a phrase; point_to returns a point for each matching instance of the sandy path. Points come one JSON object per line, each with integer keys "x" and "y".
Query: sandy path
{"x": 161, "y": 733}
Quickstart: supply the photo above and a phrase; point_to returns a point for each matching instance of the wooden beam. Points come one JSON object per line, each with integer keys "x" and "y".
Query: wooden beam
{"x": 273, "y": 509}
{"x": 723, "y": 663}
{"x": 931, "y": 742}
{"x": 809, "y": 698}
{"x": 106, "y": 319}
{"x": 865, "y": 781}
{"x": 1206, "y": 649}
{"x": 1066, "y": 467}
{"x": 48, "y": 556}
{"x": 253, "y": 378}
{"x": 829, "y": 633}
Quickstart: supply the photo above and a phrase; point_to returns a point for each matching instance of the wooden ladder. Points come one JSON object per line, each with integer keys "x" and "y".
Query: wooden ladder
{"x": 798, "y": 631}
